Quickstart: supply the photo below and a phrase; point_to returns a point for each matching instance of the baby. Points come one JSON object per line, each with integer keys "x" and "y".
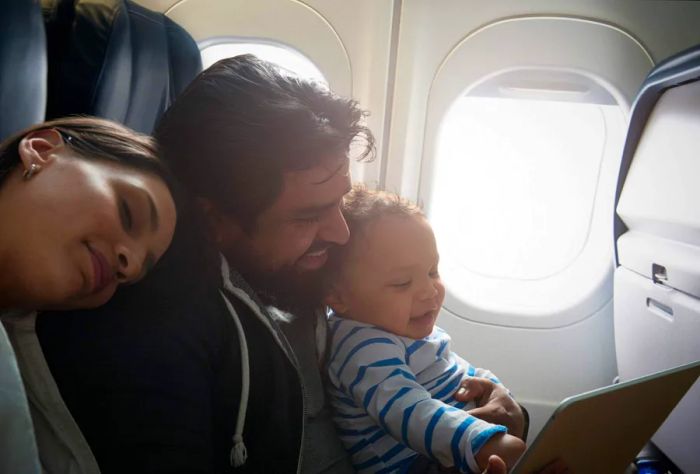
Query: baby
{"x": 391, "y": 371}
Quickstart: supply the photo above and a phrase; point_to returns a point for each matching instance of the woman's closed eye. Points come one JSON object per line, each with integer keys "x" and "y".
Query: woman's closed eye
{"x": 126, "y": 216}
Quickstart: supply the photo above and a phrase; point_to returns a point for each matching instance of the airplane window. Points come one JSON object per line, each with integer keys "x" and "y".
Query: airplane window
{"x": 515, "y": 155}
{"x": 515, "y": 181}
{"x": 514, "y": 186}
{"x": 287, "y": 58}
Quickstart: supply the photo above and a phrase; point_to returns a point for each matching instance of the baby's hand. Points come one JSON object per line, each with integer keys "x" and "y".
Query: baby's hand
{"x": 507, "y": 447}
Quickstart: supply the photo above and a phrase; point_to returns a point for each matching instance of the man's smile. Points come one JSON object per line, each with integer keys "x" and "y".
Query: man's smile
{"x": 313, "y": 259}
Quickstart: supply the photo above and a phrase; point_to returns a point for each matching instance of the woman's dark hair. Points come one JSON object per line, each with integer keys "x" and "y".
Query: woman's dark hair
{"x": 92, "y": 138}
{"x": 243, "y": 122}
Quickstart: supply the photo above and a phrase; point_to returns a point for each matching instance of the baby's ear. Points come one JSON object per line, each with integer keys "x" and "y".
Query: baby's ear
{"x": 335, "y": 300}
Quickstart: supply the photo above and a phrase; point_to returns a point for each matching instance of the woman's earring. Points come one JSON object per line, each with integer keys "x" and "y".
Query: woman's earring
{"x": 33, "y": 169}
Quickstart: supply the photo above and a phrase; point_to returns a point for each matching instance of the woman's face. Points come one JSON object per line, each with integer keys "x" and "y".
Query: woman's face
{"x": 78, "y": 228}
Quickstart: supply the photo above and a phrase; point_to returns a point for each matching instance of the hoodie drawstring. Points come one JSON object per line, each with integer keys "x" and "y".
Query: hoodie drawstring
{"x": 239, "y": 453}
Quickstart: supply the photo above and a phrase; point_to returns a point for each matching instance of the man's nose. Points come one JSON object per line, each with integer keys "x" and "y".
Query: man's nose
{"x": 129, "y": 263}
{"x": 334, "y": 229}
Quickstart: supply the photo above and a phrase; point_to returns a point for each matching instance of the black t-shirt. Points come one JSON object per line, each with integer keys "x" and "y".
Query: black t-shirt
{"x": 152, "y": 378}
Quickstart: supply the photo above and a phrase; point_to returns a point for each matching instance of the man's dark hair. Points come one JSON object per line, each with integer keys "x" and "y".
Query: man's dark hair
{"x": 242, "y": 123}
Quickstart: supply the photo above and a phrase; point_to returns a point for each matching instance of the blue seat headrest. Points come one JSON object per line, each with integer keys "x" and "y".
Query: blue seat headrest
{"x": 22, "y": 66}
{"x": 117, "y": 60}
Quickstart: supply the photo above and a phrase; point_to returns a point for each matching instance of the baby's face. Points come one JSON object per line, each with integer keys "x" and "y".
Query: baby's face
{"x": 391, "y": 279}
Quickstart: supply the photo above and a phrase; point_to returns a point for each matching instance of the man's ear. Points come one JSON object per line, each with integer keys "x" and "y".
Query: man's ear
{"x": 222, "y": 227}
{"x": 336, "y": 300}
{"x": 37, "y": 148}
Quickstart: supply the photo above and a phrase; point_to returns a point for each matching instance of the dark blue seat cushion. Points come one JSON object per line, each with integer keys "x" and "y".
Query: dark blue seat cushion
{"x": 117, "y": 60}
{"x": 22, "y": 66}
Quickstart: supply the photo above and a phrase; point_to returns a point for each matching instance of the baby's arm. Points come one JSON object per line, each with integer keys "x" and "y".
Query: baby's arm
{"x": 507, "y": 446}
{"x": 472, "y": 371}
{"x": 370, "y": 368}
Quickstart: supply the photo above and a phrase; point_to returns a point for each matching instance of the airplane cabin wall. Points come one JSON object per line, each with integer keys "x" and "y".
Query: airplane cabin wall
{"x": 428, "y": 34}
{"x": 389, "y": 56}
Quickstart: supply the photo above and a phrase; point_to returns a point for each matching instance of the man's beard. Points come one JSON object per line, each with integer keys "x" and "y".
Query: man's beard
{"x": 286, "y": 288}
{"x": 289, "y": 289}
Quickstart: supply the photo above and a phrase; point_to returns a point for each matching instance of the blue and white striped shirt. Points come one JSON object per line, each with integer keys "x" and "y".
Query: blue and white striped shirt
{"x": 392, "y": 397}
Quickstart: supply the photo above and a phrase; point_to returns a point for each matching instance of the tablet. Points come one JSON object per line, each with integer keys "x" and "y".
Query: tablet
{"x": 602, "y": 431}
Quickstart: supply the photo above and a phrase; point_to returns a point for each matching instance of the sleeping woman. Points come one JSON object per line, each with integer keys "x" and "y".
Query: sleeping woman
{"x": 85, "y": 206}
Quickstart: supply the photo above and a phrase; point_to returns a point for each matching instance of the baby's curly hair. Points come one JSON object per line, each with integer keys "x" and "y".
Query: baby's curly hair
{"x": 361, "y": 207}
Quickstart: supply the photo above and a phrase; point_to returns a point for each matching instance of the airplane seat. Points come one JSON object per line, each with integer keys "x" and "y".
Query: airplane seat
{"x": 115, "y": 59}
{"x": 657, "y": 236}
{"x": 22, "y": 66}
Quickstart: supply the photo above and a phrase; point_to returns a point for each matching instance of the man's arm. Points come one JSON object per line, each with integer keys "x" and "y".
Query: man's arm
{"x": 494, "y": 404}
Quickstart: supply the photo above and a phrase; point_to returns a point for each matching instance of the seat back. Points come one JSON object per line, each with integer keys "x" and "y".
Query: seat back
{"x": 117, "y": 60}
{"x": 657, "y": 235}
{"x": 22, "y": 66}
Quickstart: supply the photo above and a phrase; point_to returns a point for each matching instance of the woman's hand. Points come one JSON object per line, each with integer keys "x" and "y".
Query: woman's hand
{"x": 493, "y": 404}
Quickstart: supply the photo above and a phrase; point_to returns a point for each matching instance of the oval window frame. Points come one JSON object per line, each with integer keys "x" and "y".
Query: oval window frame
{"x": 304, "y": 30}
{"x": 237, "y": 41}
{"x": 602, "y": 53}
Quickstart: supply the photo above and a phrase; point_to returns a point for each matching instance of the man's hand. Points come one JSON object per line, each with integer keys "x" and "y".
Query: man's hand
{"x": 493, "y": 404}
